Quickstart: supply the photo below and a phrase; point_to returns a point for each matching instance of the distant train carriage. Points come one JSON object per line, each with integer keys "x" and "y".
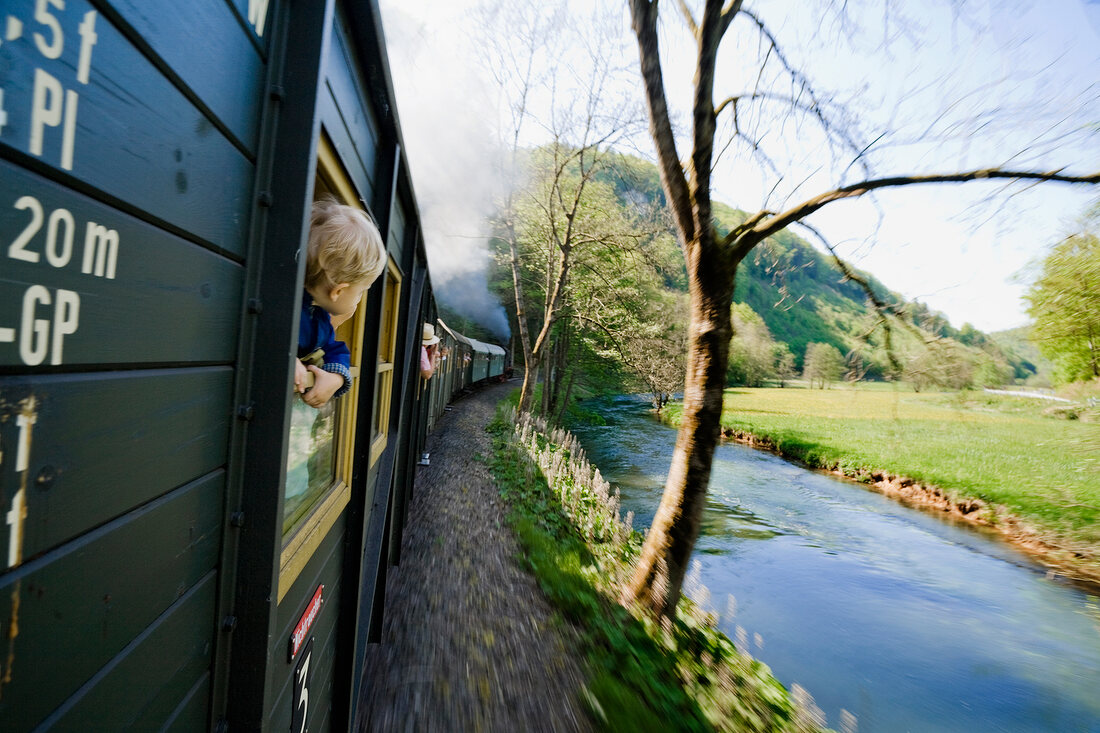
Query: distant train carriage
{"x": 464, "y": 357}
{"x": 189, "y": 546}
{"x": 497, "y": 358}
{"x": 480, "y": 365}
{"x": 439, "y": 388}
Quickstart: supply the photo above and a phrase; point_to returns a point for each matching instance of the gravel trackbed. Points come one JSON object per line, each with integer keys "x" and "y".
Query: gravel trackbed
{"x": 468, "y": 643}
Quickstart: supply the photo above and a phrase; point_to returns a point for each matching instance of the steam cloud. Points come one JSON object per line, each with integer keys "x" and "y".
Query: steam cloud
{"x": 446, "y": 119}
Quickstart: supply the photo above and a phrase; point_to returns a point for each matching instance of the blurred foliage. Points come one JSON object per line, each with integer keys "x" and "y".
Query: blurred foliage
{"x": 1064, "y": 302}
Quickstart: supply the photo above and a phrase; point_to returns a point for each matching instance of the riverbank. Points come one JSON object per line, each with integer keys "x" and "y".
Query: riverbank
{"x": 906, "y": 621}
{"x": 984, "y": 460}
{"x": 683, "y": 675}
{"x": 499, "y": 616}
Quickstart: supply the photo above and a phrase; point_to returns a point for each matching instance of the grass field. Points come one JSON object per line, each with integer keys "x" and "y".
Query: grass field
{"x": 999, "y": 449}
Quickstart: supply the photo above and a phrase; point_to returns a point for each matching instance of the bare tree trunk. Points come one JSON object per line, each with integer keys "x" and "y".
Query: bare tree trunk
{"x": 565, "y": 399}
{"x": 530, "y": 369}
{"x": 549, "y": 376}
{"x": 561, "y": 370}
{"x": 1094, "y": 351}
{"x": 675, "y": 527}
{"x": 711, "y": 270}
{"x": 553, "y": 370}
{"x": 530, "y": 378}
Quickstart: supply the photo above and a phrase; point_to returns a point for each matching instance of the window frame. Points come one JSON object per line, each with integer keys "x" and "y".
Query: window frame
{"x": 388, "y": 322}
{"x": 303, "y": 538}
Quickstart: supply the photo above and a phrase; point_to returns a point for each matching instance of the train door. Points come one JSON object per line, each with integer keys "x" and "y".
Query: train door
{"x": 316, "y": 484}
{"x": 321, "y": 455}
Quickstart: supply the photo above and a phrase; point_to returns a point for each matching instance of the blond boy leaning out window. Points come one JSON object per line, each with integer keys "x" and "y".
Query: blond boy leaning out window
{"x": 344, "y": 256}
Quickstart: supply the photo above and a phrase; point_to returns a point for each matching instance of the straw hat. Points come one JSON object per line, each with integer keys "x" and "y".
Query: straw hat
{"x": 428, "y": 337}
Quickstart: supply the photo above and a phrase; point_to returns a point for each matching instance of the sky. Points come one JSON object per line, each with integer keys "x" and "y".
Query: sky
{"x": 1026, "y": 75}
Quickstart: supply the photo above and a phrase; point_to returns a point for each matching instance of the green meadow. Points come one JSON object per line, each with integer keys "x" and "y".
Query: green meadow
{"x": 1004, "y": 450}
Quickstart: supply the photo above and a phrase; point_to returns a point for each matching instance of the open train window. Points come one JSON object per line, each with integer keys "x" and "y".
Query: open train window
{"x": 319, "y": 457}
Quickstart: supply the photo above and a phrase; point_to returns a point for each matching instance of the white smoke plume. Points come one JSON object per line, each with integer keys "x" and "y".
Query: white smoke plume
{"x": 448, "y": 117}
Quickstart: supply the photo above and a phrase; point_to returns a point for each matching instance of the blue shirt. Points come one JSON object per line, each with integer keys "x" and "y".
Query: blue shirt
{"x": 315, "y": 331}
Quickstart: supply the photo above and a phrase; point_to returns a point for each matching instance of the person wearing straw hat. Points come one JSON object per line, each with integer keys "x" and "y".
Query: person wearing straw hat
{"x": 429, "y": 351}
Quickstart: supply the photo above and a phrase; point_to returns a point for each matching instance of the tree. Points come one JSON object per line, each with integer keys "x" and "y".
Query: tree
{"x": 939, "y": 363}
{"x": 712, "y": 259}
{"x": 823, "y": 363}
{"x": 653, "y": 348}
{"x": 753, "y": 351}
{"x": 546, "y": 216}
{"x": 624, "y": 309}
{"x": 1065, "y": 303}
{"x": 784, "y": 364}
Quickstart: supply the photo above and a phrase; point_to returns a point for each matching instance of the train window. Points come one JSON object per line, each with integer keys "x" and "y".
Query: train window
{"x": 387, "y": 342}
{"x": 319, "y": 457}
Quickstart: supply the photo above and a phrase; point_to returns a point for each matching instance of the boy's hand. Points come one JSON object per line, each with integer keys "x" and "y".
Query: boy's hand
{"x": 301, "y": 377}
{"x": 325, "y": 384}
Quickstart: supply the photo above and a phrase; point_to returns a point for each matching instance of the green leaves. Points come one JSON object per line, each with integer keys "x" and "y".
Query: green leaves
{"x": 1065, "y": 303}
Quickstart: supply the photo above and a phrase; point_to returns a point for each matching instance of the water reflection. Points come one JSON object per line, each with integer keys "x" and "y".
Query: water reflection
{"x": 904, "y": 620}
{"x": 723, "y": 520}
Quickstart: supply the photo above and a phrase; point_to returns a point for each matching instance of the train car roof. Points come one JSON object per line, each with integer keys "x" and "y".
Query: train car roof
{"x": 454, "y": 334}
{"x": 478, "y": 346}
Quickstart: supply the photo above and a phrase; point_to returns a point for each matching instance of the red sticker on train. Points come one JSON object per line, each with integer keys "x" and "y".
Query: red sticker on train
{"x": 301, "y": 631}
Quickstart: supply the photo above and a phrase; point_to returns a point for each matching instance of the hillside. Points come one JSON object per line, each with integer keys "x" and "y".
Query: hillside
{"x": 799, "y": 293}
{"x": 1014, "y": 342}
{"x": 789, "y": 295}
{"x": 803, "y": 298}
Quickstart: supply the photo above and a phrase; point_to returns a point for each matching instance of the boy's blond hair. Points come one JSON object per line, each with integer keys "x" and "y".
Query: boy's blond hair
{"x": 344, "y": 246}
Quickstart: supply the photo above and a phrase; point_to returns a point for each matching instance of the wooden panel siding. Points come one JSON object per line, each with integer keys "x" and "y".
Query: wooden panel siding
{"x": 148, "y": 296}
{"x": 79, "y": 607}
{"x": 193, "y": 711}
{"x": 325, "y": 649}
{"x": 337, "y": 130}
{"x": 256, "y": 15}
{"x": 397, "y": 231}
{"x": 348, "y": 117}
{"x": 102, "y": 444}
{"x": 225, "y": 46}
{"x": 175, "y": 651}
{"x": 325, "y": 567}
{"x": 116, "y": 124}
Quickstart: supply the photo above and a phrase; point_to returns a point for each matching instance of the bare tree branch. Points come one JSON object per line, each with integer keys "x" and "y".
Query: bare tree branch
{"x": 644, "y": 21}
{"x": 733, "y": 7}
{"x": 794, "y": 101}
{"x": 711, "y": 30}
{"x": 886, "y": 311}
{"x": 749, "y": 234}
{"x": 816, "y": 107}
{"x": 685, "y": 11}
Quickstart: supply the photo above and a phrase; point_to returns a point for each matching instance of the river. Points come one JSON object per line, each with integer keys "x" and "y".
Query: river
{"x": 906, "y": 621}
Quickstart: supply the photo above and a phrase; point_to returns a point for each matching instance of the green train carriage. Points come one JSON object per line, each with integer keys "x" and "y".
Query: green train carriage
{"x": 187, "y": 548}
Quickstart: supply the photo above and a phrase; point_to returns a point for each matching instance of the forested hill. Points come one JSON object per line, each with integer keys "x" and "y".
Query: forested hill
{"x": 620, "y": 285}
{"x": 799, "y": 293}
{"x": 802, "y": 297}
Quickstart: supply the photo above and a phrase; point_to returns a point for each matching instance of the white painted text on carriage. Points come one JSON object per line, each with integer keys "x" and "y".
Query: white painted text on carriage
{"x": 53, "y": 113}
{"x": 99, "y": 257}
{"x": 16, "y": 516}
